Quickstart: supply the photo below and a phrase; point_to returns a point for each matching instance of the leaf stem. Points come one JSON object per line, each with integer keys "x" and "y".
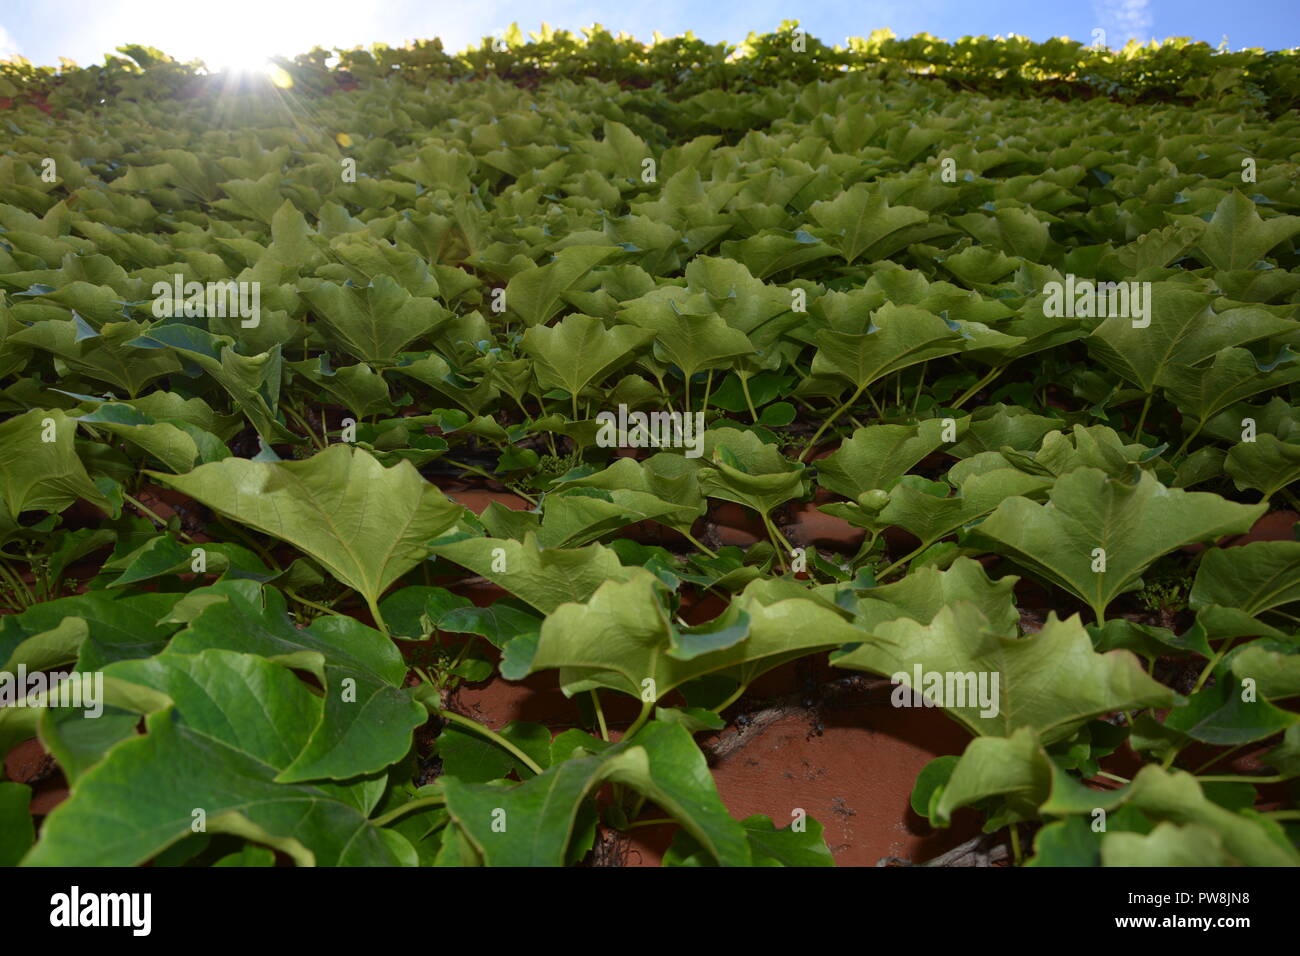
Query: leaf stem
{"x": 1142, "y": 418}
{"x": 732, "y": 699}
{"x": 491, "y": 735}
{"x": 600, "y": 715}
{"x": 149, "y": 513}
{"x": 399, "y": 812}
{"x": 646, "y": 707}
{"x": 812, "y": 442}
{"x": 989, "y": 377}
{"x": 699, "y": 544}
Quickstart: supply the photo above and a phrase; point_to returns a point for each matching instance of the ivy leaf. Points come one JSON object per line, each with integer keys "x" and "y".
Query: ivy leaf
{"x": 1049, "y": 681}
{"x": 749, "y": 472}
{"x": 925, "y": 509}
{"x": 855, "y": 220}
{"x": 536, "y": 293}
{"x": 365, "y": 524}
{"x": 671, "y": 480}
{"x": 692, "y": 341}
{"x": 41, "y": 475}
{"x": 1237, "y": 237}
{"x": 1183, "y": 331}
{"x": 1218, "y": 715}
{"x": 531, "y": 824}
{"x": 177, "y": 445}
{"x": 877, "y": 456}
{"x": 1234, "y": 375}
{"x": 1167, "y": 845}
{"x": 922, "y": 594}
{"x": 367, "y": 716}
{"x": 767, "y": 845}
{"x": 377, "y": 322}
{"x": 542, "y": 577}
{"x": 900, "y": 336}
{"x": 579, "y": 350}
{"x": 1266, "y": 464}
{"x": 105, "y": 357}
{"x": 623, "y": 639}
{"x": 1131, "y": 524}
{"x": 1255, "y": 577}
{"x": 217, "y": 749}
{"x": 252, "y": 381}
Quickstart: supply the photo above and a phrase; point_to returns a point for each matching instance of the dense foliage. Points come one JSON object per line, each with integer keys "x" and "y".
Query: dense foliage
{"x": 854, "y": 274}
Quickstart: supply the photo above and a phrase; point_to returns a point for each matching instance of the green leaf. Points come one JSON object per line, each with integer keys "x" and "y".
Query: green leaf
{"x": 878, "y": 455}
{"x": 377, "y": 322}
{"x": 530, "y": 824}
{"x": 856, "y": 220}
{"x": 900, "y": 336}
{"x": 542, "y": 577}
{"x": 1167, "y": 845}
{"x": 365, "y": 524}
{"x": 367, "y": 716}
{"x": 1265, "y": 464}
{"x": 535, "y": 294}
{"x": 768, "y": 845}
{"x": 1131, "y": 524}
{"x": 579, "y": 350}
{"x": 1049, "y": 681}
{"x": 17, "y": 830}
{"x": 142, "y": 798}
{"x": 1237, "y": 237}
{"x": 39, "y": 467}
{"x": 1254, "y": 577}
{"x": 623, "y": 639}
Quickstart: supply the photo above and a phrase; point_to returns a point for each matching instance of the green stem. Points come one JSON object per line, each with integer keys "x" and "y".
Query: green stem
{"x": 732, "y": 699}
{"x": 600, "y": 715}
{"x": 646, "y": 707}
{"x": 1142, "y": 418}
{"x": 1113, "y": 776}
{"x": 149, "y": 513}
{"x": 307, "y": 603}
{"x": 491, "y": 477}
{"x": 708, "y": 387}
{"x": 1188, "y": 440}
{"x": 656, "y": 822}
{"x": 491, "y": 735}
{"x": 18, "y": 586}
{"x": 749, "y": 402}
{"x": 812, "y": 442}
{"x": 777, "y": 541}
{"x": 902, "y": 561}
{"x": 406, "y": 808}
{"x": 379, "y": 618}
{"x": 1015, "y": 844}
{"x": 989, "y": 377}
{"x": 920, "y": 384}
{"x": 689, "y": 537}
{"x": 1216, "y": 758}
{"x": 311, "y": 435}
{"x": 1238, "y": 778}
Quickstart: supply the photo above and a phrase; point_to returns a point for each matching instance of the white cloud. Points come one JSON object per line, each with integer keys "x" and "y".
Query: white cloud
{"x": 8, "y": 45}
{"x": 1123, "y": 20}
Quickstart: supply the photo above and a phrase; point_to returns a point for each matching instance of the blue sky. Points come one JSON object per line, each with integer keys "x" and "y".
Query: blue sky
{"x": 241, "y": 32}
